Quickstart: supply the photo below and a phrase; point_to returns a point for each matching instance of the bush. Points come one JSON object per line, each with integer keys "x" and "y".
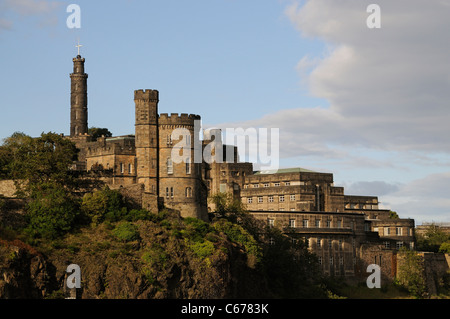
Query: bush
{"x": 202, "y": 249}
{"x": 103, "y": 204}
{"x": 445, "y": 248}
{"x": 52, "y": 212}
{"x": 126, "y": 231}
{"x": 240, "y": 236}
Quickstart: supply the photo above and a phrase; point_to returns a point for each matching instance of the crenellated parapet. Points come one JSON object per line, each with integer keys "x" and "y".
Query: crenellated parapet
{"x": 175, "y": 119}
{"x": 147, "y": 95}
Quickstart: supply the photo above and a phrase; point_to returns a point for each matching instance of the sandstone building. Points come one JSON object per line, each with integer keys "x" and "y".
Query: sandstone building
{"x": 346, "y": 232}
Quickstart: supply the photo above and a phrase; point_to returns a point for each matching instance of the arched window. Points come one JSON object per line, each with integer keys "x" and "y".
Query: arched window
{"x": 188, "y": 192}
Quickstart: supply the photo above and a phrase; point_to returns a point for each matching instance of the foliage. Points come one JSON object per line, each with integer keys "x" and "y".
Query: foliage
{"x": 445, "y": 248}
{"x": 126, "y": 231}
{"x": 97, "y": 205}
{"x": 292, "y": 269}
{"x": 52, "y": 212}
{"x": 410, "y": 273}
{"x": 432, "y": 239}
{"x": 96, "y": 132}
{"x": 393, "y": 215}
{"x": 32, "y": 162}
{"x": 238, "y": 234}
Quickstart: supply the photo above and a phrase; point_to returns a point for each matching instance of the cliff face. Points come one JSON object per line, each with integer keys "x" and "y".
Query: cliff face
{"x": 142, "y": 259}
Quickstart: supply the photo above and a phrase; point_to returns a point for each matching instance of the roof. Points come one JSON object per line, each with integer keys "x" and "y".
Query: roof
{"x": 285, "y": 170}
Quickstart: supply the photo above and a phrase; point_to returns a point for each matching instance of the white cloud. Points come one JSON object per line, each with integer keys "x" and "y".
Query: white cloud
{"x": 388, "y": 91}
{"x": 43, "y": 9}
{"x": 425, "y": 199}
{"x": 390, "y": 84}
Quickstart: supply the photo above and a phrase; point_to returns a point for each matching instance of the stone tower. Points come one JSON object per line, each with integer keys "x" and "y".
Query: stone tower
{"x": 78, "y": 98}
{"x": 147, "y": 140}
{"x": 181, "y": 184}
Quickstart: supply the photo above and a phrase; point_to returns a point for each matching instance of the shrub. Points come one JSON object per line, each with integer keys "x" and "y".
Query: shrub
{"x": 52, "y": 212}
{"x": 126, "y": 231}
{"x": 240, "y": 236}
{"x": 103, "y": 204}
{"x": 202, "y": 249}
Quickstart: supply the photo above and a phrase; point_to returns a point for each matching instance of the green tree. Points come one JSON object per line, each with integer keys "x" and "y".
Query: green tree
{"x": 432, "y": 239}
{"x": 393, "y": 215}
{"x": 52, "y": 212}
{"x": 40, "y": 161}
{"x": 102, "y": 204}
{"x": 9, "y": 150}
{"x": 97, "y": 132}
{"x": 411, "y": 273}
{"x": 445, "y": 248}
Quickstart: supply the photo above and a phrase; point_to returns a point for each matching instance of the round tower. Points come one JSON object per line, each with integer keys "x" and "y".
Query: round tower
{"x": 181, "y": 185}
{"x": 78, "y": 99}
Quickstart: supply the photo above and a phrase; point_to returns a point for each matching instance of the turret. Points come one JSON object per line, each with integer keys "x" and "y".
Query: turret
{"x": 147, "y": 155}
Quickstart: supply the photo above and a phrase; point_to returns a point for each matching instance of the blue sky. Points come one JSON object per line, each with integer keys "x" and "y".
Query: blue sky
{"x": 371, "y": 106}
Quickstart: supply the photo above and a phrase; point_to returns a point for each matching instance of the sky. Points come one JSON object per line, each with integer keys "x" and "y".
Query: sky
{"x": 369, "y": 105}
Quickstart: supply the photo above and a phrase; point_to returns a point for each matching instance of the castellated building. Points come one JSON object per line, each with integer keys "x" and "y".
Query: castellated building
{"x": 346, "y": 232}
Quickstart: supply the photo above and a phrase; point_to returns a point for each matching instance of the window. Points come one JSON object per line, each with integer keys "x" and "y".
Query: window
{"x": 320, "y": 260}
{"x": 387, "y": 245}
{"x": 121, "y": 168}
{"x": 260, "y": 199}
{"x": 266, "y": 184}
{"x": 270, "y": 199}
{"x": 188, "y": 166}
{"x": 287, "y": 183}
{"x": 255, "y": 185}
{"x": 272, "y": 241}
{"x": 292, "y": 223}
{"x": 330, "y": 243}
{"x": 319, "y": 242}
{"x": 317, "y": 223}
{"x": 305, "y": 223}
{"x": 169, "y": 139}
{"x": 341, "y": 245}
{"x": 171, "y": 192}
{"x": 341, "y": 261}
{"x": 398, "y": 244}
{"x": 328, "y": 223}
{"x": 292, "y": 198}
{"x": 339, "y": 223}
{"x": 169, "y": 166}
{"x": 167, "y": 192}
{"x": 276, "y": 184}
{"x": 271, "y": 222}
{"x": 249, "y": 200}
{"x": 387, "y": 231}
{"x": 130, "y": 168}
{"x": 331, "y": 260}
{"x": 398, "y": 231}
{"x": 281, "y": 198}
{"x": 188, "y": 192}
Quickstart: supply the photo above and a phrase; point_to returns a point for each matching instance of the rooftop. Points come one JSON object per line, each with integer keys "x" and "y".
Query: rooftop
{"x": 285, "y": 170}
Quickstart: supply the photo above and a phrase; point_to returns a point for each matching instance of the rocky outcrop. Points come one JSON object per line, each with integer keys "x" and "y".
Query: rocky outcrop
{"x": 157, "y": 265}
